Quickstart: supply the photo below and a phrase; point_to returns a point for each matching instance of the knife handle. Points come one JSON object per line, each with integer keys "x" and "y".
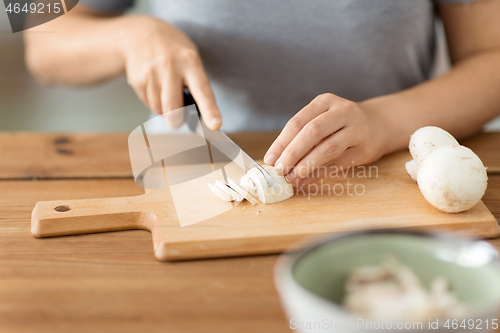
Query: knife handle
{"x": 189, "y": 100}
{"x": 71, "y": 217}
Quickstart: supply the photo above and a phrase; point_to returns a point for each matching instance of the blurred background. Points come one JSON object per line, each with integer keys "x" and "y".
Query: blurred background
{"x": 25, "y": 105}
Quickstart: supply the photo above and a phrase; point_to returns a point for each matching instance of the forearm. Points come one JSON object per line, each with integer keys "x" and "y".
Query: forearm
{"x": 460, "y": 101}
{"x": 77, "y": 48}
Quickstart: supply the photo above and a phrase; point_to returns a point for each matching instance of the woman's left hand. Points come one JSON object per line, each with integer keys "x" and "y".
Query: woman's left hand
{"x": 329, "y": 131}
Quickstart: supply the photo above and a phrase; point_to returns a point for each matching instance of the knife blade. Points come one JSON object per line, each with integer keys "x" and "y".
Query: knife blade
{"x": 231, "y": 150}
{"x": 222, "y": 142}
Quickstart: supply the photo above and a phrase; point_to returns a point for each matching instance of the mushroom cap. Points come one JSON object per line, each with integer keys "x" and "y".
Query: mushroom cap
{"x": 452, "y": 178}
{"x": 426, "y": 139}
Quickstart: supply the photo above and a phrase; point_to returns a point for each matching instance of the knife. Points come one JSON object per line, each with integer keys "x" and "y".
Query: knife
{"x": 221, "y": 143}
{"x": 231, "y": 150}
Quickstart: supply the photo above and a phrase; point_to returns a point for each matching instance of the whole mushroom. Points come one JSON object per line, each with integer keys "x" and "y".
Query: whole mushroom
{"x": 427, "y": 139}
{"x": 423, "y": 142}
{"x": 451, "y": 177}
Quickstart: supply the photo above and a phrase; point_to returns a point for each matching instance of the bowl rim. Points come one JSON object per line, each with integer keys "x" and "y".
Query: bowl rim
{"x": 283, "y": 269}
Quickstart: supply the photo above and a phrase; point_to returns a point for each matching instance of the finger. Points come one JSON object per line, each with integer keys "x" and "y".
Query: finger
{"x": 310, "y": 136}
{"x": 141, "y": 91}
{"x": 172, "y": 101}
{"x": 174, "y": 118}
{"x": 153, "y": 91}
{"x": 348, "y": 159}
{"x": 317, "y": 106}
{"x": 172, "y": 97}
{"x": 320, "y": 173}
{"x": 199, "y": 86}
{"x": 332, "y": 147}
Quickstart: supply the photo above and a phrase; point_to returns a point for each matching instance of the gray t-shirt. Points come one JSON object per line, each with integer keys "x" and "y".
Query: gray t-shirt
{"x": 266, "y": 59}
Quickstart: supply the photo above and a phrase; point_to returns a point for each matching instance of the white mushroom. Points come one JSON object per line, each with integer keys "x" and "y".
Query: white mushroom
{"x": 394, "y": 292}
{"x": 452, "y": 178}
{"x": 224, "y": 188}
{"x": 220, "y": 193}
{"x": 427, "y": 139}
{"x": 424, "y": 141}
{"x": 412, "y": 169}
{"x": 248, "y": 185}
{"x": 255, "y": 183}
{"x": 241, "y": 191}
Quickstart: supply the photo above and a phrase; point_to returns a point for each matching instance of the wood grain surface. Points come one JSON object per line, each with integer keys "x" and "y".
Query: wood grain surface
{"x": 487, "y": 147}
{"x": 28, "y": 155}
{"x": 380, "y": 196}
{"x": 110, "y": 282}
{"x": 46, "y": 156}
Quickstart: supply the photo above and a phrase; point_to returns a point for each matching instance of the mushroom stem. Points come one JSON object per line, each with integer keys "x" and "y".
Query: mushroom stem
{"x": 412, "y": 169}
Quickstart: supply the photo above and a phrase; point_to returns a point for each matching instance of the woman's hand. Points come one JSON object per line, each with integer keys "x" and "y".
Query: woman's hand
{"x": 329, "y": 131}
{"x": 160, "y": 60}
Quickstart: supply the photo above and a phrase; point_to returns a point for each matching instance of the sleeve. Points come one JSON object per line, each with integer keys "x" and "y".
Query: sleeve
{"x": 108, "y": 6}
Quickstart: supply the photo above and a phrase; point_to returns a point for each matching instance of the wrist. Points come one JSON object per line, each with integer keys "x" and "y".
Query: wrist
{"x": 391, "y": 134}
{"x": 133, "y": 31}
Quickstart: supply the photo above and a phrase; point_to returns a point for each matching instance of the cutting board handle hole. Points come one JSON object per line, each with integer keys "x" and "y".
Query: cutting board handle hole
{"x": 62, "y": 208}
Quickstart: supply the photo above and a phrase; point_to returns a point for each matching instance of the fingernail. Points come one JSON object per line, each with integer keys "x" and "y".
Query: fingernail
{"x": 215, "y": 123}
{"x": 270, "y": 159}
{"x": 280, "y": 168}
{"x": 290, "y": 177}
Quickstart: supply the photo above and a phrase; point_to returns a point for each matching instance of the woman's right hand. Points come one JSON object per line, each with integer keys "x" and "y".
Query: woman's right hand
{"x": 159, "y": 61}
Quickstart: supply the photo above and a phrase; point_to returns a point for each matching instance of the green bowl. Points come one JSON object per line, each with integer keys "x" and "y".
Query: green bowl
{"x": 311, "y": 282}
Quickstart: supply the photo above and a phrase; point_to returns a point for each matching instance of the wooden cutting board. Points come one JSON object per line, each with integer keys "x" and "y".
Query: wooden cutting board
{"x": 386, "y": 198}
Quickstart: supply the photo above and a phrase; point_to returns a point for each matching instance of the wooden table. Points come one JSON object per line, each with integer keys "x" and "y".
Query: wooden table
{"x": 110, "y": 282}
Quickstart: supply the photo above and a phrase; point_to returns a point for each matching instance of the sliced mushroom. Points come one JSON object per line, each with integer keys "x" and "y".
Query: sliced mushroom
{"x": 223, "y": 187}
{"x": 249, "y": 185}
{"x": 241, "y": 191}
{"x": 220, "y": 193}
